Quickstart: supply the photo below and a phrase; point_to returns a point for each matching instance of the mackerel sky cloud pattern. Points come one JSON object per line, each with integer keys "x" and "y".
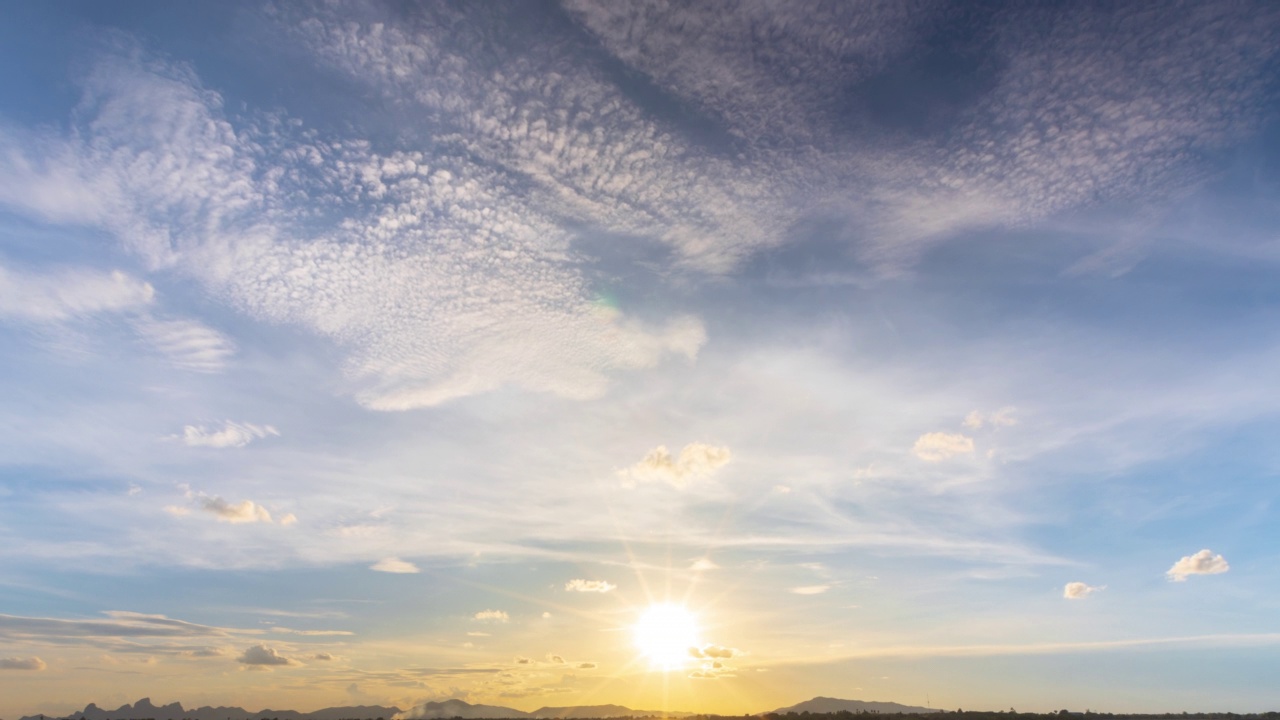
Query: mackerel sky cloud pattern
{"x": 376, "y": 345}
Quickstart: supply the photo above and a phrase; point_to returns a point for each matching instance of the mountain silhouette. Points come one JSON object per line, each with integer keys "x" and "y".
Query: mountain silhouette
{"x": 144, "y": 709}
{"x": 833, "y": 705}
{"x": 447, "y": 709}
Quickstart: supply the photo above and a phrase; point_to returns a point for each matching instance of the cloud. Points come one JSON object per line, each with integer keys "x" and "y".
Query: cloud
{"x": 18, "y": 663}
{"x": 1079, "y": 590}
{"x": 810, "y": 589}
{"x": 703, "y": 564}
{"x": 71, "y": 293}
{"x": 118, "y": 624}
{"x": 188, "y": 344}
{"x": 322, "y": 656}
{"x": 1004, "y": 417}
{"x": 289, "y": 519}
{"x": 206, "y": 652}
{"x": 263, "y": 655}
{"x": 492, "y": 615}
{"x": 589, "y": 586}
{"x": 523, "y": 661}
{"x": 557, "y": 659}
{"x": 938, "y": 446}
{"x": 394, "y": 565}
{"x": 1202, "y": 563}
{"x": 712, "y": 651}
{"x": 245, "y": 511}
{"x": 478, "y": 298}
{"x": 695, "y": 462}
{"x": 587, "y": 666}
{"x": 232, "y": 435}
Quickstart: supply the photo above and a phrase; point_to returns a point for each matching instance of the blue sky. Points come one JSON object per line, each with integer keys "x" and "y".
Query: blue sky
{"x": 365, "y": 353}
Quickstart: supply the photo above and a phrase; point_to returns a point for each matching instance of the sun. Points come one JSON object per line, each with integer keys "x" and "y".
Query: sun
{"x": 664, "y": 634}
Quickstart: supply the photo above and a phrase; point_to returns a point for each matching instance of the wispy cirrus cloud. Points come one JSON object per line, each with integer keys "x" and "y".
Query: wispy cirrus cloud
{"x": 22, "y": 663}
{"x": 394, "y": 565}
{"x": 70, "y": 293}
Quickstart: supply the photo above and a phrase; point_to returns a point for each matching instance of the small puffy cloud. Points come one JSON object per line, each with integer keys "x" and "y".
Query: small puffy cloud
{"x": 492, "y": 616}
{"x": 589, "y": 586}
{"x": 246, "y": 511}
{"x": 177, "y": 510}
{"x": 18, "y": 663}
{"x": 1004, "y": 417}
{"x": 1202, "y": 563}
{"x": 695, "y": 462}
{"x": 263, "y": 655}
{"x": 1079, "y": 590}
{"x": 232, "y": 435}
{"x": 810, "y": 589}
{"x": 289, "y": 519}
{"x": 703, "y": 564}
{"x": 394, "y": 565}
{"x": 557, "y": 659}
{"x": 523, "y": 661}
{"x": 322, "y": 656}
{"x": 69, "y": 294}
{"x": 587, "y": 666}
{"x": 938, "y": 446}
{"x": 546, "y": 615}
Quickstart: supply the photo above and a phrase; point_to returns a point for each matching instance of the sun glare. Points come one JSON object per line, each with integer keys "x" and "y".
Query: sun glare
{"x": 664, "y": 634}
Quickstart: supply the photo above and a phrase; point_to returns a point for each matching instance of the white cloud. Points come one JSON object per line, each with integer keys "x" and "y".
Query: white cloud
{"x": 245, "y": 511}
{"x": 1004, "y": 417}
{"x": 589, "y": 586}
{"x": 938, "y": 446}
{"x": 177, "y": 510}
{"x": 232, "y": 434}
{"x": 1079, "y": 590}
{"x": 289, "y": 519}
{"x": 810, "y": 589}
{"x": 69, "y": 294}
{"x": 394, "y": 565}
{"x": 695, "y": 462}
{"x": 1201, "y": 563}
{"x": 492, "y": 615}
{"x": 703, "y": 564}
{"x": 263, "y": 655}
{"x": 188, "y": 344}
{"x": 19, "y": 663}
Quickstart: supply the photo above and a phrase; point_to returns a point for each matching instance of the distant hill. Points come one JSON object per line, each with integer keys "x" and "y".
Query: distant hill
{"x": 580, "y": 712}
{"x": 833, "y": 705}
{"x": 458, "y": 709}
{"x": 144, "y": 709}
{"x": 448, "y": 709}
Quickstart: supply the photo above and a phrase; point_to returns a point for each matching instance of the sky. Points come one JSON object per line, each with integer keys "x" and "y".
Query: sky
{"x": 364, "y": 353}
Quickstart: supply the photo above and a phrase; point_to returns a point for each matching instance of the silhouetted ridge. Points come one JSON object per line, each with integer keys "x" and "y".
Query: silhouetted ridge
{"x": 145, "y": 710}
{"x": 834, "y": 705}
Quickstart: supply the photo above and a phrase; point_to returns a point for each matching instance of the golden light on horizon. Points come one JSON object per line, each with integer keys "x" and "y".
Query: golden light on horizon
{"x": 664, "y": 634}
